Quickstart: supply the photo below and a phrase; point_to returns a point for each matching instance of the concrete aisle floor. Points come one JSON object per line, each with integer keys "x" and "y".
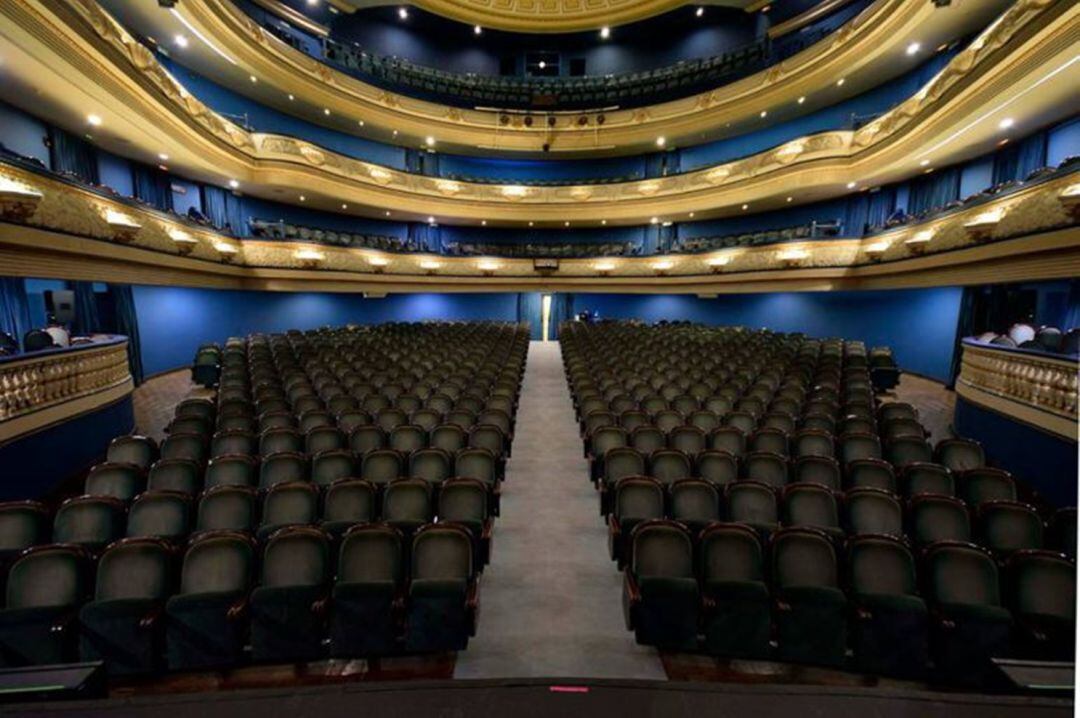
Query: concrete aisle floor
{"x": 550, "y": 600}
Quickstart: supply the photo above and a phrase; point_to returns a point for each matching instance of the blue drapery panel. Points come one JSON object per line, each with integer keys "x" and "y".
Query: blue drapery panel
{"x": 529, "y": 311}
{"x": 935, "y": 190}
{"x": 14, "y": 308}
{"x": 224, "y": 210}
{"x": 68, "y": 153}
{"x": 127, "y": 323}
{"x": 1016, "y": 161}
{"x": 87, "y": 317}
{"x": 1072, "y": 311}
{"x": 425, "y": 237}
{"x": 880, "y": 207}
{"x": 856, "y": 215}
{"x": 965, "y": 327}
{"x": 152, "y": 186}
{"x": 662, "y": 164}
{"x": 562, "y": 310}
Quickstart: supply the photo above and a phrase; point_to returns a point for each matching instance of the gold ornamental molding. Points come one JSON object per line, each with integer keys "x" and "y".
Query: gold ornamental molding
{"x": 548, "y": 15}
{"x": 268, "y": 164}
{"x": 872, "y": 36}
{"x": 38, "y": 391}
{"x": 75, "y": 233}
{"x": 1036, "y": 389}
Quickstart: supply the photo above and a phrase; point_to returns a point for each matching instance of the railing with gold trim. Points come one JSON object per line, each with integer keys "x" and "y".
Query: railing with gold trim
{"x": 41, "y": 388}
{"x": 1033, "y": 387}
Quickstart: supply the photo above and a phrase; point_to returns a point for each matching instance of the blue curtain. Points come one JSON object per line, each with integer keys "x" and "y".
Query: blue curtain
{"x": 562, "y": 310}
{"x": 856, "y": 215}
{"x": 68, "y": 153}
{"x": 127, "y": 323}
{"x": 1016, "y": 161}
{"x": 14, "y": 308}
{"x": 881, "y": 206}
{"x": 528, "y": 310}
{"x": 87, "y": 318}
{"x": 224, "y": 210}
{"x": 662, "y": 164}
{"x": 152, "y": 186}
{"x": 1072, "y": 311}
{"x": 424, "y": 237}
{"x": 965, "y": 327}
{"x": 935, "y": 190}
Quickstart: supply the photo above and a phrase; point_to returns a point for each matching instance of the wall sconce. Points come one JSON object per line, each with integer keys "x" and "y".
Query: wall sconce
{"x": 1070, "y": 200}
{"x": 227, "y": 252}
{"x": 918, "y": 242}
{"x": 662, "y": 267}
{"x": 980, "y": 228}
{"x": 185, "y": 243}
{"x": 791, "y": 257}
{"x": 717, "y": 264}
{"x": 378, "y": 264}
{"x": 604, "y": 269}
{"x": 514, "y": 192}
{"x": 430, "y": 266}
{"x": 17, "y": 201}
{"x": 123, "y": 228}
{"x": 448, "y": 188}
{"x": 309, "y": 258}
{"x": 487, "y": 267}
{"x": 875, "y": 250}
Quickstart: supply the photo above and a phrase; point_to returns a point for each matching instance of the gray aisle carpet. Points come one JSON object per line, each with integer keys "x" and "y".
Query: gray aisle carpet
{"x": 550, "y": 600}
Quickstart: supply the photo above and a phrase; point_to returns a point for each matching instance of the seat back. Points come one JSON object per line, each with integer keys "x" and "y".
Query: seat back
{"x": 140, "y": 451}
{"x": 695, "y": 502}
{"x": 751, "y": 502}
{"x": 810, "y": 505}
{"x": 349, "y": 500}
{"x": 442, "y": 552}
{"x": 371, "y": 554}
{"x": 904, "y": 450}
{"x": 231, "y": 470}
{"x": 717, "y": 467}
{"x": 669, "y": 466}
{"x": 407, "y": 501}
{"x": 448, "y": 437}
{"x": 1042, "y": 583}
{"x": 184, "y": 446}
{"x": 985, "y": 484}
{"x": 767, "y": 468}
{"x": 160, "y": 514}
{"x": 938, "y": 518}
{"x": 809, "y": 442}
{"x": 803, "y": 557}
{"x": 332, "y": 465}
{"x": 859, "y": 446}
{"x": 463, "y": 501}
{"x": 226, "y": 508}
{"x": 296, "y": 556}
{"x": 621, "y": 463}
{"x": 135, "y": 568}
{"x": 730, "y": 552}
{"x": 22, "y": 524}
{"x": 91, "y": 521}
{"x": 290, "y": 503}
{"x": 382, "y": 466}
{"x": 282, "y": 468}
{"x": 182, "y": 475}
{"x": 961, "y": 573}
{"x": 218, "y": 562}
{"x": 873, "y": 511}
{"x": 367, "y": 438}
{"x": 662, "y": 549}
{"x": 772, "y": 441}
{"x": 120, "y": 481}
{"x": 431, "y": 465}
{"x": 1007, "y": 526}
{"x": 48, "y": 576}
{"x": 922, "y": 478}
{"x": 638, "y": 499}
{"x": 960, "y": 454}
{"x": 821, "y": 470}
{"x": 880, "y": 565}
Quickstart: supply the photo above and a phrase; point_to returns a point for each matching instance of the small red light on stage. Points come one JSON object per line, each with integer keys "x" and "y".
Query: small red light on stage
{"x": 568, "y": 689}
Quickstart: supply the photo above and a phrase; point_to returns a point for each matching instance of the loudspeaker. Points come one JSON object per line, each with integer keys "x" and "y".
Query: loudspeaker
{"x": 67, "y": 681}
{"x": 61, "y": 304}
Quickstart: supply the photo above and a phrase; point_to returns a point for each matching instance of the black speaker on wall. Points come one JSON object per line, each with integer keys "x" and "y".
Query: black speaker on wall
{"x": 60, "y": 303}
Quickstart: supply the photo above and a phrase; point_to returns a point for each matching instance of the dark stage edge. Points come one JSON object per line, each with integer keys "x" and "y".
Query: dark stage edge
{"x": 535, "y": 698}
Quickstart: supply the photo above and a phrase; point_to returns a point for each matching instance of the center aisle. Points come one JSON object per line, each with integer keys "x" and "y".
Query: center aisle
{"x": 550, "y": 600}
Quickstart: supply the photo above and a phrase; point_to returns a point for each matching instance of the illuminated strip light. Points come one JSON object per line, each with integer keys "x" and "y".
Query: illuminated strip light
{"x": 1046, "y": 78}
{"x": 199, "y": 35}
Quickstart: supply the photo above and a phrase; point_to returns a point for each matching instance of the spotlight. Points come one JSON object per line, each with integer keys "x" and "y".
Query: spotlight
{"x": 234, "y": 183}
{"x": 913, "y": 48}
{"x": 403, "y": 13}
{"x": 661, "y": 141}
{"x": 477, "y": 30}
{"x": 605, "y": 32}
{"x": 699, "y": 12}
{"x": 1006, "y": 123}
{"x": 94, "y": 120}
{"x": 180, "y": 41}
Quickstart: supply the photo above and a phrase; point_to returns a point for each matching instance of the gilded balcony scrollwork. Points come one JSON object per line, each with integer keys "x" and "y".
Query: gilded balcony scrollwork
{"x": 1035, "y": 388}
{"x": 36, "y": 390}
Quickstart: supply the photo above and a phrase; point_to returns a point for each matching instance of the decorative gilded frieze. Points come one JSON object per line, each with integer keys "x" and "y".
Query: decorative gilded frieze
{"x": 1035, "y": 388}
{"x": 46, "y": 385}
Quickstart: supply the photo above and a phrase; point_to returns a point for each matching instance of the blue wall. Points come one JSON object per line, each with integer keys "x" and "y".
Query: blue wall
{"x": 919, "y": 324}
{"x": 173, "y": 321}
{"x": 22, "y": 133}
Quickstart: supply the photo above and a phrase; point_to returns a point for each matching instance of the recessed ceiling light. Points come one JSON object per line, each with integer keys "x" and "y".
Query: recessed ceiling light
{"x": 530, "y": 223}
{"x": 312, "y": 2}
{"x": 326, "y": 111}
{"x": 431, "y": 220}
{"x": 841, "y": 81}
{"x": 767, "y": 8}
{"x": 661, "y": 141}
{"x": 94, "y": 120}
{"x": 699, "y": 12}
{"x": 303, "y": 198}
{"x": 1003, "y": 142}
{"x": 360, "y": 122}
{"x": 1006, "y": 123}
{"x": 387, "y": 213}
{"x": 163, "y": 157}
{"x": 654, "y": 220}
{"x": 291, "y": 98}
{"x": 605, "y": 32}
{"x": 344, "y": 206}
{"x": 253, "y": 78}
{"x": 851, "y": 185}
{"x": 691, "y": 214}
{"x": 403, "y": 13}
{"x": 483, "y": 223}
{"x": 180, "y": 41}
{"x": 913, "y": 48}
{"x": 603, "y": 221}
{"x": 234, "y": 183}
{"x": 923, "y": 163}
{"x": 541, "y": 64}
{"x": 395, "y": 133}
{"x": 745, "y": 207}
{"x": 566, "y": 223}
{"x": 163, "y": 168}
{"x": 764, "y": 113}
{"x": 801, "y": 99}
{"x": 429, "y": 141}
{"x": 477, "y": 30}
{"x": 789, "y": 199}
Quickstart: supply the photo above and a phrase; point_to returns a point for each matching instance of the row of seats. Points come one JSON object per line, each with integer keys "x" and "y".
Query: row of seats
{"x": 755, "y": 239}
{"x": 760, "y": 431}
{"x": 143, "y": 607}
{"x": 795, "y": 597}
{"x": 527, "y": 250}
{"x": 353, "y": 392}
{"x": 1043, "y": 339}
{"x": 268, "y": 229}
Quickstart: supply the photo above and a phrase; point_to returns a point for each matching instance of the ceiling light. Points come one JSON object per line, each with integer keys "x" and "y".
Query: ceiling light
{"x": 163, "y": 168}
{"x": 1006, "y": 123}
{"x": 764, "y": 113}
{"x": 395, "y": 133}
{"x": 431, "y": 220}
{"x": 718, "y": 261}
{"x": 840, "y": 82}
{"x": 326, "y": 111}
{"x": 378, "y": 261}
{"x": 403, "y": 13}
{"x": 291, "y": 98}
{"x": 312, "y": 2}
{"x": 699, "y": 12}
{"x": 654, "y": 220}
{"x": 851, "y": 185}
{"x": 477, "y": 30}
{"x": 163, "y": 157}
{"x": 691, "y": 214}
{"x": 387, "y": 213}
{"x": 789, "y": 199}
{"x": 303, "y": 198}
{"x": 604, "y": 266}
{"x": 1003, "y": 142}
{"x": 801, "y": 99}
{"x": 542, "y": 64}
{"x": 360, "y": 122}
{"x": 661, "y": 141}
{"x": 913, "y": 48}
{"x": 234, "y": 183}
{"x": 253, "y": 78}
{"x": 566, "y": 223}
{"x": 94, "y": 120}
{"x": 429, "y": 141}
{"x": 483, "y": 223}
{"x": 923, "y": 163}
{"x": 488, "y": 266}
{"x": 745, "y": 207}
{"x": 603, "y": 221}
{"x": 530, "y": 223}
{"x": 663, "y": 265}
{"x": 181, "y": 41}
{"x": 605, "y": 32}
{"x": 430, "y": 265}
{"x": 666, "y": 223}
